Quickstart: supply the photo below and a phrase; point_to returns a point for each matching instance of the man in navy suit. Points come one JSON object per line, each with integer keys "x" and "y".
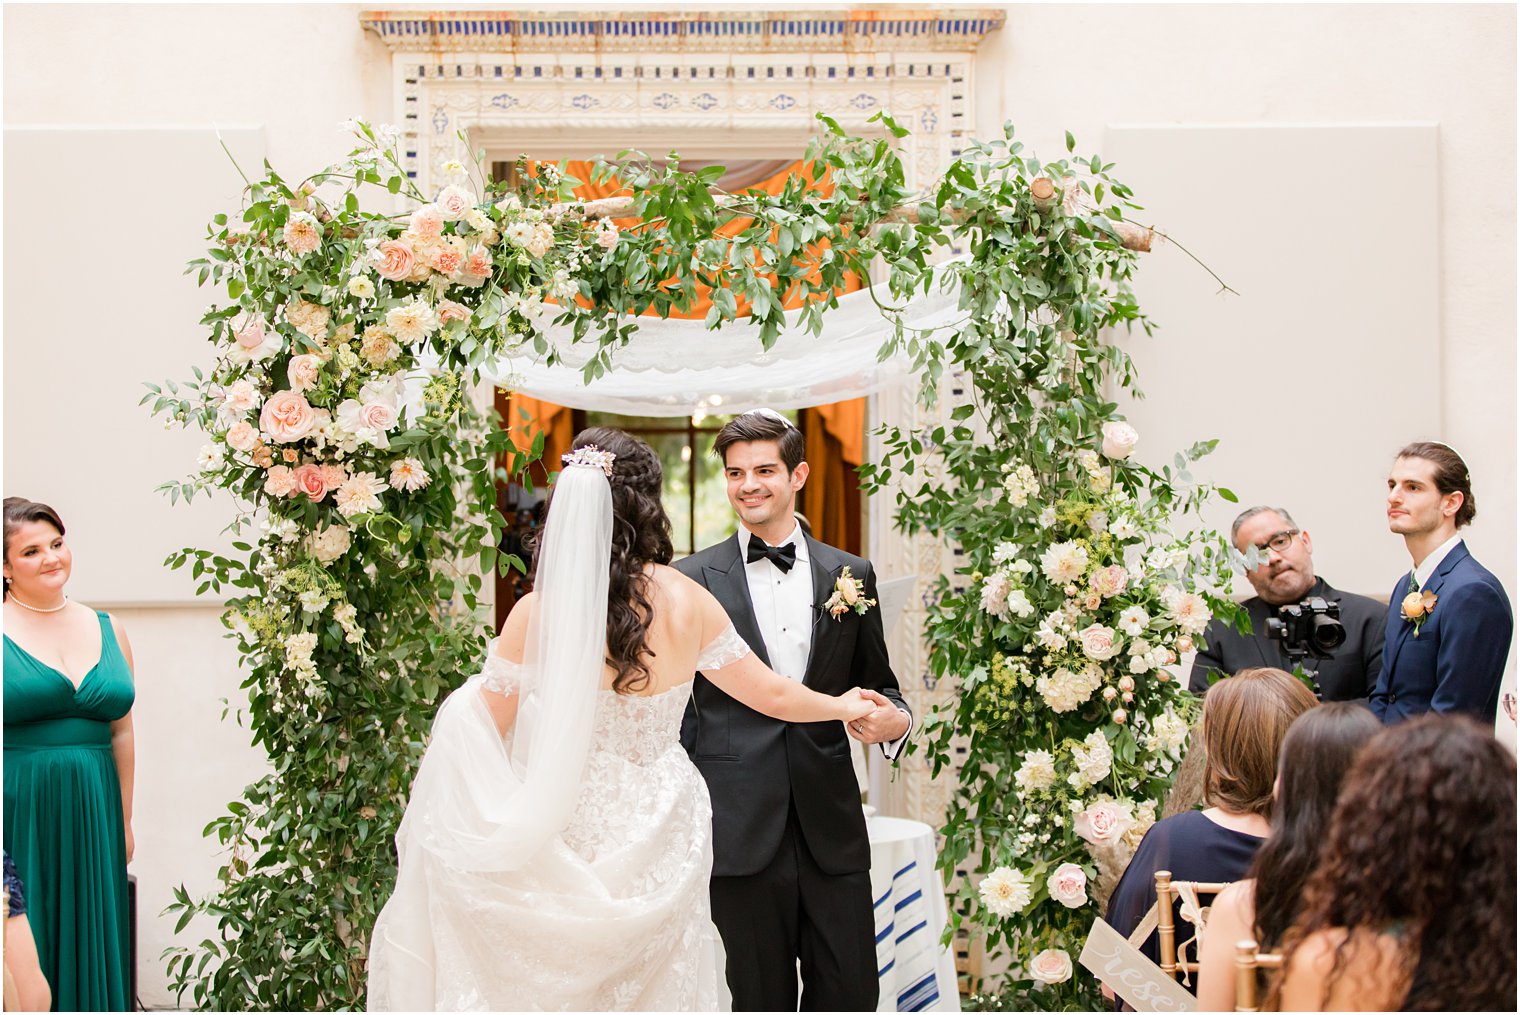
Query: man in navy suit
{"x": 1449, "y": 620}
{"x": 791, "y": 880}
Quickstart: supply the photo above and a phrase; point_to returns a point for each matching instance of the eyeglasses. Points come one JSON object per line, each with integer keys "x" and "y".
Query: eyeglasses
{"x": 1279, "y": 541}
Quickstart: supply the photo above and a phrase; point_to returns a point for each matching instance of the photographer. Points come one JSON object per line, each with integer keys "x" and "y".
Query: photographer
{"x": 1285, "y": 578}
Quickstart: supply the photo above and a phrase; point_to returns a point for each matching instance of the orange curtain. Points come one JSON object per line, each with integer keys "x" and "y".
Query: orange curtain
{"x": 835, "y": 446}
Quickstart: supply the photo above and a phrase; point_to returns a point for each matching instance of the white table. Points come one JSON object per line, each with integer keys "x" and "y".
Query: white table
{"x": 917, "y": 974}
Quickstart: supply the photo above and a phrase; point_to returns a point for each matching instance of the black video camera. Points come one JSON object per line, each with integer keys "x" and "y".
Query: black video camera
{"x": 1310, "y": 628}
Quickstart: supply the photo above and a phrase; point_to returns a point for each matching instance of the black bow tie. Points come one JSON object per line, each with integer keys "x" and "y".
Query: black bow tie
{"x": 782, "y": 556}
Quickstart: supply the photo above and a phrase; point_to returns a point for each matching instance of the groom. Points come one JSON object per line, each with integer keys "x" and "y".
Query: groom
{"x": 791, "y": 861}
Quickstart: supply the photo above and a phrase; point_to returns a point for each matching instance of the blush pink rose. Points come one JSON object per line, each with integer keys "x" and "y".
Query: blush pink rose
{"x": 334, "y": 476}
{"x": 309, "y": 481}
{"x": 241, "y": 436}
{"x": 1110, "y": 581}
{"x": 427, "y": 221}
{"x": 287, "y": 417}
{"x": 607, "y": 238}
{"x": 302, "y": 371}
{"x": 1068, "y": 885}
{"x": 396, "y": 260}
{"x": 280, "y": 482}
{"x": 1099, "y": 642}
{"x": 1051, "y": 966}
{"x": 448, "y": 310}
{"x": 1102, "y": 823}
{"x": 378, "y": 416}
{"x": 251, "y": 335}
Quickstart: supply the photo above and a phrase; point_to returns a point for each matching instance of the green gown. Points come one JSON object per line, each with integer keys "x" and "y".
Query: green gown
{"x": 63, "y": 821}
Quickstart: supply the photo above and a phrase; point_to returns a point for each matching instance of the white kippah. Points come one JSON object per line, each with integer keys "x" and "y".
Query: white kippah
{"x": 773, "y": 414}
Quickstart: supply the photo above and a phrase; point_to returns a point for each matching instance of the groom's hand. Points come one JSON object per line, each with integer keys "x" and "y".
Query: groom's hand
{"x": 882, "y": 725}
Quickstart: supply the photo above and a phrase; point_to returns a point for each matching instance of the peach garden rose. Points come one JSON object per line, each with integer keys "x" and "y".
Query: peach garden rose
{"x": 287, "y": 417}
{"x": 396, "y": 260}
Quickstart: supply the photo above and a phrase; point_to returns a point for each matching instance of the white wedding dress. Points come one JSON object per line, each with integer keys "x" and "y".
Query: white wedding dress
{"x": 564, "y": 866}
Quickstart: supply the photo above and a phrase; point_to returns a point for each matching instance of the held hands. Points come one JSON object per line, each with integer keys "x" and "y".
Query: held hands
{"x": 884, "y": 723}
{"x": 854, "y": 705}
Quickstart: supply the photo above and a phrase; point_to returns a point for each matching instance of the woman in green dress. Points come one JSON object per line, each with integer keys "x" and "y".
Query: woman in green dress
{"x": 68, "y": 765}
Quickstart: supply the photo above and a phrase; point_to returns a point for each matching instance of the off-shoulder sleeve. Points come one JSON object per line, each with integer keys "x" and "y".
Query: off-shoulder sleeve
{"x": 726, "y": 648}
{"x": 502, "y": 675}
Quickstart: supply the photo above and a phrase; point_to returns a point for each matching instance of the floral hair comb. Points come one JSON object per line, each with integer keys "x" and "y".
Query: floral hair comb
{"x": 593, "y": 456}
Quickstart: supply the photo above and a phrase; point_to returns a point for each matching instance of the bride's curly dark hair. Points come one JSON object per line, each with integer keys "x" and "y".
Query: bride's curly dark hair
{"x": 640, "y": 536}
{"x": 1422, "y": 847}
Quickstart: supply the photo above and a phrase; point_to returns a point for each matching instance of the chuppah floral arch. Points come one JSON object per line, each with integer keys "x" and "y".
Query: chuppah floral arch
{"x": 340, "y": 416}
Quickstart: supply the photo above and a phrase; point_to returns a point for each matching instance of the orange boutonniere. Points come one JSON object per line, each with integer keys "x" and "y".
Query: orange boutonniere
{"x": 1416, "y": 607}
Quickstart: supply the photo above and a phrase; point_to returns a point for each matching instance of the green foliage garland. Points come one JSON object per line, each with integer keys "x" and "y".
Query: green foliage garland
{"x": 1076, "y": 588}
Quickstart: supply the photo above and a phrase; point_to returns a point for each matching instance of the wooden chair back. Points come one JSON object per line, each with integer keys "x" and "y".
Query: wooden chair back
{"x": 1248, "y": 962}
{"x": 1167, "y": 892}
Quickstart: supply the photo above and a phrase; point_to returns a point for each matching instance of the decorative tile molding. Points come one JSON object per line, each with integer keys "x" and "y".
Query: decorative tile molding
{"x": 954, "y": 29}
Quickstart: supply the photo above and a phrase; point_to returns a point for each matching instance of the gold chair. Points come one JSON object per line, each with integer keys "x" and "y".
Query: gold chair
{"x": 1248, "y": 961}
{"x": 1167, "y": 892}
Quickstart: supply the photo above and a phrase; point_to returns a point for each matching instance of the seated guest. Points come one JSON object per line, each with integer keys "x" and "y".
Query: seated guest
{"x": 1245, "y": 718}
{"x": 1285, "y": 576}
{"x": 1316, "y": 755}
{"x": 1449, "y": 620}
{"x": 1412, "y": 904}
{"x": 26, "y": 989}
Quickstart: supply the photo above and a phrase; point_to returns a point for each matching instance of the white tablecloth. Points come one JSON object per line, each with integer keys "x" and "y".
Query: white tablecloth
{"x": 917, "y": 974}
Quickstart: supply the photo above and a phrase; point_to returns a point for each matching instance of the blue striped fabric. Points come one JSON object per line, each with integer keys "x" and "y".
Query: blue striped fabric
{"x": 905, "y": 946}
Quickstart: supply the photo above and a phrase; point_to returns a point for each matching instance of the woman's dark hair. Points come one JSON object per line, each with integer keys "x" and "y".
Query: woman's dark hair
{"x": 1316, "y": 755}
{"x": 1451, "y": 475}
{"x": 640, "y": 535}
{"x": 1422, "y": 848}
{"x": 1245, "y": 718}
{"x": 18, "y": 512}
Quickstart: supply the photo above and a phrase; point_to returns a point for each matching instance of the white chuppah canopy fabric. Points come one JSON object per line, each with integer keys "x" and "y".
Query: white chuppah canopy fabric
{"x": 679, "y": 368}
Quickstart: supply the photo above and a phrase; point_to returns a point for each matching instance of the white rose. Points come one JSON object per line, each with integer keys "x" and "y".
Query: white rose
{"x": 1050, "y": 966}
{"x": 1119, "y": 439}
{"x": 361, "y": 287}
{"x": 1103, "y": 822}
{"x": 1068, "y": 885}
{"x": 329, "y": 543}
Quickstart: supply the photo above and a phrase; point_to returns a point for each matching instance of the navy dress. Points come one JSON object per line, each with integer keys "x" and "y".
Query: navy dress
{"x": 1193, "y": 848}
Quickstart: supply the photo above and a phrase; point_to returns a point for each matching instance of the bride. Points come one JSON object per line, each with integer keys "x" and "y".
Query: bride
{"x": 556, "y": 848}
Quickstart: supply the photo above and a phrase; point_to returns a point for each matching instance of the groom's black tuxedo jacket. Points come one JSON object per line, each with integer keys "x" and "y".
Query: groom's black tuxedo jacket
{"x": 754, "y": 764}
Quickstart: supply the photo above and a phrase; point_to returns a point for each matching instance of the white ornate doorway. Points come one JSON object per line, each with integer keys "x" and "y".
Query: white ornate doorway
{"x": 730, "y": 85}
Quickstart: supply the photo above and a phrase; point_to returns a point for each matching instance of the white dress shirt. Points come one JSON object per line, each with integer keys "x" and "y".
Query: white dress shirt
{"x": 783, "y": 605}
{"x": 1427, "y": 567}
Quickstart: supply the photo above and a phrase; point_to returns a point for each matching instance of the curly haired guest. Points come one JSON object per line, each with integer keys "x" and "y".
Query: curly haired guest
{"x": 1245, "y": 718}
{"x": 1412, "y": 906}
{"x": 69, "y": 757}
{"x": 1318, "y": 751}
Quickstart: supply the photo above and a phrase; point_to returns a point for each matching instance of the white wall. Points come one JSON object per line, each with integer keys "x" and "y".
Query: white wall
{"x": 293, "y": 72}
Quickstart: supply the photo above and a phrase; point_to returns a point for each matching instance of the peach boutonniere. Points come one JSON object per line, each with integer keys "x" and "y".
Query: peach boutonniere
{"x": 849, "y": 594}
{"x": 1416, "y": 607}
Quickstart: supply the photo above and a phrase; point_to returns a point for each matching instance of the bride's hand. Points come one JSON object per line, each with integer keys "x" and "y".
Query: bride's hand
{"x": 853, "y": 705}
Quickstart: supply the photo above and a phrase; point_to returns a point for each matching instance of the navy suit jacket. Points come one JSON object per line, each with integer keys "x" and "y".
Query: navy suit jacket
{"x": 758, "y": 768}
{"x": 1457, "y": 661}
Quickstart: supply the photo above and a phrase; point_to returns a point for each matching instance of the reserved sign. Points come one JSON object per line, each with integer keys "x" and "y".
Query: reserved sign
{"x": 1110, "y": 957}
